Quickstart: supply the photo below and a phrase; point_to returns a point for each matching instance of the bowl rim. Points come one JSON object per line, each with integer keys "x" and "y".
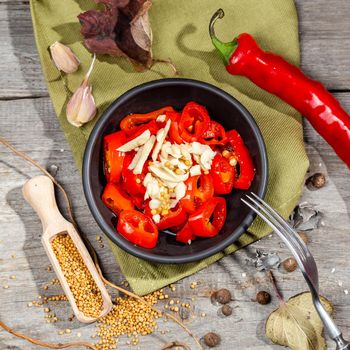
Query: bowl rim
{"x": 119, "y": 240}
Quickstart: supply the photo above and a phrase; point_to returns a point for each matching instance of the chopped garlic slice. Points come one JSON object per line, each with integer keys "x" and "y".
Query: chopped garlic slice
{"x": 148, "y": 178}
{"x": 136, "y": 158}
{"x": 146, "y": 150}
{"x": 161, "y": 118}
{"x": 173, "y": 203}
{"x": 154, "y": 203}
{"x": 195, "y": 170}
{"x": 183, "y": 166}
{"x": 161, "y": 135}
{"x": 185, "y": 150}
{"x": 207, "y": 158}
{"x": 175, "y": 151}
{"x": 170, "y": 184}
{"x": 180, "y": 190}
{"x": 156, "y": 218}
{"x": 152, "y": 188}
{"x": 174, "y": 161}
{"x": 197, "y": 148}
{"x": 166, "y": 174}
{"x": 136, "y": 142}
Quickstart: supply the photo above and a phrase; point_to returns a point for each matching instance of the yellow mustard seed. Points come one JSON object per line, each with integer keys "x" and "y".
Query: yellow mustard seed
{"x": 233, "y": 161}
{"x": 128, "y": 317}
{"x": 86, "y": 293}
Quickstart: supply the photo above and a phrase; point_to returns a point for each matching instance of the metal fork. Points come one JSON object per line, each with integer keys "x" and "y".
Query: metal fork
{"x": 305, "y": 261}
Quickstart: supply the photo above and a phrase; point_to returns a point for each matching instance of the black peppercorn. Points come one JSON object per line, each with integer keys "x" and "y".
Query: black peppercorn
{"x": 317, "y": 180}
{"x": 226, "y": 310}
{"x": 290, "y": 264}
{"x": 223, "y": 296}
{"x": 212, "y": 339}
{"x": 263, "y": 297}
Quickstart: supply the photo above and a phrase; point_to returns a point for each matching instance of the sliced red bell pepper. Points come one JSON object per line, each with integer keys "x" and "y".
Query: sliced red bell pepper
{"x": 139, "y": 202}
{"x": 137, "y": 228}
{"x": 223, "y": 175}
{"x": 209, "y": 219}
{"x": 132, "y": 183}
{"x": 113, "y": 159}
{"x": 185, "y": 235}
{"x": 176, "y": 217}
{"x": 116, "y": 199}
{"x": 246, "y": 173}
{"x": 200, "y": 188}
{"x": 194, "y": 122}
{"x": 152, "y": 126}
{"x": 214, "y": 135}
{"x": 132, "y": 121}
{"x": 174, "y": 133}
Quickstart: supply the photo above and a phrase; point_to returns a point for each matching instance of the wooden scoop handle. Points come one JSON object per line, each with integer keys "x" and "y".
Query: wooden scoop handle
{"x": 39, "y": 193}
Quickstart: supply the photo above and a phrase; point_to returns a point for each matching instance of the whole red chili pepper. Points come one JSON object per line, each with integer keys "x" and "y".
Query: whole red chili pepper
{"x": 243, "y": 56}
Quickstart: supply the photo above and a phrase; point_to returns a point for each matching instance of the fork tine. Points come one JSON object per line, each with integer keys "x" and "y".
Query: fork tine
{"x": 307, "y": 265}
{"x": 277, "y": 228}
{"x": 297, "y": 246}
{"x": 280, "y": 225}
{"x": 292, "y": 234}
{"x": 283, "y": 222}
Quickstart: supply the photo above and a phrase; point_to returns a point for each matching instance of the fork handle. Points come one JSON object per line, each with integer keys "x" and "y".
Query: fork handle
{"x": 341, "y": 343}
{"x": 332, "y": 329}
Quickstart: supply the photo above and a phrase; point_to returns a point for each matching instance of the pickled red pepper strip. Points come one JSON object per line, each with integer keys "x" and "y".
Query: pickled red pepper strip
{"x": 271, "y": 72}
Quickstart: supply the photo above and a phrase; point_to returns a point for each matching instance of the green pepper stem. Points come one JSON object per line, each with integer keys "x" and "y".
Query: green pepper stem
{"x": 225, "y": 49}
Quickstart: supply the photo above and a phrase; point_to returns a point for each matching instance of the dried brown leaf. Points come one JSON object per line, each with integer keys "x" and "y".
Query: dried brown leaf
{"x": 297, "y": 325}
{"x": 122, "y": 29}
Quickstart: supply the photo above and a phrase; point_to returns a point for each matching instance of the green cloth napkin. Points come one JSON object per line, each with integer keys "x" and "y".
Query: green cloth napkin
{"x": 181, "y": 33}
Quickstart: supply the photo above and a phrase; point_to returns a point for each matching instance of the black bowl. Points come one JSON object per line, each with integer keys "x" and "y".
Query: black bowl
{"x": 175, "y": 92}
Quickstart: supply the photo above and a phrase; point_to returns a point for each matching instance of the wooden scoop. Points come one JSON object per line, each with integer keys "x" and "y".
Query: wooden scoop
{"x": 39, "y": 193}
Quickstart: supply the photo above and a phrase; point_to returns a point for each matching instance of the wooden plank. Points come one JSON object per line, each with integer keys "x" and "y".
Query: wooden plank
{"x": 325, "y": 39}
{"x": 32, "y": 127}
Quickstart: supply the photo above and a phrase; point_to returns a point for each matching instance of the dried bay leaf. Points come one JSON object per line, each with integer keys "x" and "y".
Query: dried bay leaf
{"x": 122, "y": 29}
{"x": 297, "y": 325}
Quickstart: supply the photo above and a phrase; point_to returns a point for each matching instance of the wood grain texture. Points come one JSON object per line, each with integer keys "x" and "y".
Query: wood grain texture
{"x": 324, "y": 34}
{"x": 28, "y": 121}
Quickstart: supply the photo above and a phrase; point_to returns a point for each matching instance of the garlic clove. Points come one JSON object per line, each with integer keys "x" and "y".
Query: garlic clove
{"x": 64, "y": 58}
{"x": 81, "y": 108}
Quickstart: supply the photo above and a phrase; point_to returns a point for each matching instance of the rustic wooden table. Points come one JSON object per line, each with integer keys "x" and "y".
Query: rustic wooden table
{"x": 28, "y": 121}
